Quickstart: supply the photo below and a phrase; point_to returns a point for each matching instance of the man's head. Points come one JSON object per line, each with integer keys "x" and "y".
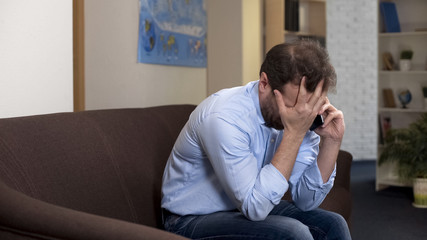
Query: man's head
{"x": 289, "y": 62}
{"x": 283, "y": 69}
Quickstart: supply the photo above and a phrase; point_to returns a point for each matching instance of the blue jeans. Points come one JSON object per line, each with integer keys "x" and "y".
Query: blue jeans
{"x": 285, "y": 221}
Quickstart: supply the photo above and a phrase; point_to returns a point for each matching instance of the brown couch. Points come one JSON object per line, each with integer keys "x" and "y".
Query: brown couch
{"x": 97, "y": 174}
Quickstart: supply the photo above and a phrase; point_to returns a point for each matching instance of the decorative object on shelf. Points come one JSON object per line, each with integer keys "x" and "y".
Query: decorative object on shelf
{"x": 385, "y": 126}
{"x": 425, "y": 96}
{"x": 405, "y": 60}
{"x": 388, "y": 98}
{"x": 405, "y": 97}
{"x": 388, "y": 61}
{"x": 390, "y": 18}
{"x": 408, "y": 148}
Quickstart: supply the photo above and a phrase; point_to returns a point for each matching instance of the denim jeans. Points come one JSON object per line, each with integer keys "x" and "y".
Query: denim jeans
{"x": 285, "y": 221}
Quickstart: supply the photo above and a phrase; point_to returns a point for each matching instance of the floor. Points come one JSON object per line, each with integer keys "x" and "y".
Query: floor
{"x": 386, "y": 214}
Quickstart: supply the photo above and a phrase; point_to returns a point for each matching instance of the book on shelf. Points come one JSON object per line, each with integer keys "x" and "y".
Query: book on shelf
{"x": 390, "y": 17}
{"x": 388, "y": 98}
{"x": 388, "y": 61}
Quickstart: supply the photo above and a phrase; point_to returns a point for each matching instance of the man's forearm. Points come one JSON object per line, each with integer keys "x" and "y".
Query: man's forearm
{"x": 327, "y": 157}
{"x": 286, "y": 154}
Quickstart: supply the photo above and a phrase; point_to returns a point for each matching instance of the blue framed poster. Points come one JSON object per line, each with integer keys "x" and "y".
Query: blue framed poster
{"x": 172, "y": 32}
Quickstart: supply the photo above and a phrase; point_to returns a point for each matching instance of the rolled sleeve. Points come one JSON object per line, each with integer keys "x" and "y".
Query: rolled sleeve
{"x": 311, "y": 190}
{"x": 271, "y": 184}
{"x": 268, "y": 190}
{"x": 306, "y": 183}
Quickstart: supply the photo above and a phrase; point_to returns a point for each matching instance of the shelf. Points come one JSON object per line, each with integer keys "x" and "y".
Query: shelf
{"x": 414, "y": 72}
{"x": 320, "y": 1}
{"x": 394, "y": 182}
{"x": 299, "y": 33}
{"x": 402, "y": 34}
{"x": 403, "y": 110}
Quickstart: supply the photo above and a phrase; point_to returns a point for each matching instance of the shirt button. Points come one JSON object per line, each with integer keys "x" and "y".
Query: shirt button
{"x": 272, "y": 140}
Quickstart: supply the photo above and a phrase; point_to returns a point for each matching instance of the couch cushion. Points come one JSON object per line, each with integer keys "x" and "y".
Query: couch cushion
{"x": 105, "y": 162}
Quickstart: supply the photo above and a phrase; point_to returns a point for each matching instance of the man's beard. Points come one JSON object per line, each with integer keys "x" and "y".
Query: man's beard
{"x": 270, "y": 120}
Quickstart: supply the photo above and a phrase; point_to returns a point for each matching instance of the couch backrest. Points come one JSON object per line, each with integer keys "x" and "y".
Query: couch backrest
{"x": 105, "y": 162}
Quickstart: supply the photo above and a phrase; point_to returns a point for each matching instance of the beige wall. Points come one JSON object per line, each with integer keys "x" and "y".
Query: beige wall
{"x": 36, "y": 60}
{"x": 113, "y": 77}
{"x": 36, "y": 57}
{"x": 253, "y": 52}
{"x": 234, "y": 42}
{"x": 224, "y": 44}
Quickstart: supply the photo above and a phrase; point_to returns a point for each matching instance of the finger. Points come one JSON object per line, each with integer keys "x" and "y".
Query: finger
{"x": 327, "y": 106}
{"x": 317, "y": 93}
{"x": 332, "y": 116}
{"x": 302, "y": 94}
{"x": 321, "y": 105}
{"x": 279, "y": 100}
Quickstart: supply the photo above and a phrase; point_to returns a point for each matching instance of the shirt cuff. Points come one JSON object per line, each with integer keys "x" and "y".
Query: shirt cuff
{"x": 271, "y": 184}
{"x": 314, "y": 179}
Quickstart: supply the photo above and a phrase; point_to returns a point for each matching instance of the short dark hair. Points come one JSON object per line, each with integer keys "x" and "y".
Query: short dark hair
{"x": 289, "y": 62}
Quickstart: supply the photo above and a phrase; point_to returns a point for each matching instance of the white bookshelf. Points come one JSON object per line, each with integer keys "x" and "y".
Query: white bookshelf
{"x": 413, "y": 18}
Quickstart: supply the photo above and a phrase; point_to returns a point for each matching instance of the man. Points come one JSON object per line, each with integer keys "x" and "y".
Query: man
{"x": 244, "y": 147}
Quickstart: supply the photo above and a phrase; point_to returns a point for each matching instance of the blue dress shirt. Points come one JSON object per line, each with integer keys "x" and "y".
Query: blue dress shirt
{"x": 221, "y": 161}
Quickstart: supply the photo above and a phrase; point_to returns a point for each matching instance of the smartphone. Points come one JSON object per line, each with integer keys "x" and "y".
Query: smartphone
{"x": 318, "y": 121}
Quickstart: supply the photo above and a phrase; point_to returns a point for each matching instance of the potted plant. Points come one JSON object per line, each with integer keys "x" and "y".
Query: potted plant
{"x": 407, "y": 147}
{"x": 405, "y": 60}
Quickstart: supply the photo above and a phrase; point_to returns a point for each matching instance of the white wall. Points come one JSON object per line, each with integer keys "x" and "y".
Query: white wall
{"x": 36, "y": 58}
{"x": 113, "y": 77}
{"x": 352, "y": 45}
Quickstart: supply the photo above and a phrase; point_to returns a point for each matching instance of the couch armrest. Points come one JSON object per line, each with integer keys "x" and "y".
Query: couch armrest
{"x": 344, "y": 161}
{"x": 23, "y": 217}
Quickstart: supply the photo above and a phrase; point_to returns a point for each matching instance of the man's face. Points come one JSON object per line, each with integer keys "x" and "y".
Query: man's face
{"x": 269, "y": 108}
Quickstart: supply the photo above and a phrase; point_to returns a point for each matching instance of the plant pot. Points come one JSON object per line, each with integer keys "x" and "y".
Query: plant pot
{"x": 405, "y": 64}
{"x": 420, "y": 193}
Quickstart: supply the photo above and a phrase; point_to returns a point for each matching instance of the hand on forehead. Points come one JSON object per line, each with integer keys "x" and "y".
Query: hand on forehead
{"x": 295, "y": 93}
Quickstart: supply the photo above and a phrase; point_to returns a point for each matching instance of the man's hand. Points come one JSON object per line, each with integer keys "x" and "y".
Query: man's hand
{"x": 331, "y": 133}
{"x": 334, "y": 126}
{"x": 296, "y": 121}
{"x": 298, "y": 118}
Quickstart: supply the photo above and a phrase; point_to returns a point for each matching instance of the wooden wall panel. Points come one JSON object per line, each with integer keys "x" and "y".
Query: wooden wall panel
{"x": 78, "y": 55}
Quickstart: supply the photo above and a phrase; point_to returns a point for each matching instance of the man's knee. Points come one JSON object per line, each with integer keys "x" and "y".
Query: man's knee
{"x": 338, "y": 220}
{"x": 289, "y": 228}
{"x": 338, "y": 228}
{"x": 300, "y": 231}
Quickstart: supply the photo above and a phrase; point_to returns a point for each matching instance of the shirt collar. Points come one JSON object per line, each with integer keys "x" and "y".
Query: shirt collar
{"x": 254, "y": 92}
